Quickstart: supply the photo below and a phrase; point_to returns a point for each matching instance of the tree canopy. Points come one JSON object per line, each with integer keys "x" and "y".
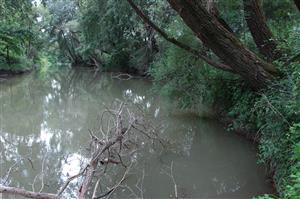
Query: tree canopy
{"x": 242, "y": 52}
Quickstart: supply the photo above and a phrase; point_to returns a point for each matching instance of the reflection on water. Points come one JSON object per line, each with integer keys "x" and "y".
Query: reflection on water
{"x": 44, "y": 125}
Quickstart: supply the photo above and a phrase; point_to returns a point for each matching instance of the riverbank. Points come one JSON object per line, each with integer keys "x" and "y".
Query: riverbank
{"x": 222, "y": 116}
{"x": 12, "y": 73}
{"x": 249, "y": 134}
{"x": 269, "y": 118}
{"x": 57, "y": 111}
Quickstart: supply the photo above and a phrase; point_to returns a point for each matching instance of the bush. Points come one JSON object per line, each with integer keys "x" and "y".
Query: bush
{"x": 271, "y": 114}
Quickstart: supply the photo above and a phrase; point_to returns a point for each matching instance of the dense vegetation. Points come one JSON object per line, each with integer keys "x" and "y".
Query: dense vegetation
{"x": 238, "y": 56}
{"x": 16, "y": 35}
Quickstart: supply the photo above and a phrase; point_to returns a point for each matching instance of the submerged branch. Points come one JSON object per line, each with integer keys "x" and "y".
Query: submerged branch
{"x": 119, "y": 139}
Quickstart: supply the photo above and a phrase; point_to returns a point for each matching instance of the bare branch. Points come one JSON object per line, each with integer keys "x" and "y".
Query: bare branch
{"x": 69, "y": 180}
{"x": 27, "y": 194}
{"x": 121, "y": 130}
{"x": 95, "y": 189}
{"x": 170, "y": 173}
{"x": 119, "y": 183}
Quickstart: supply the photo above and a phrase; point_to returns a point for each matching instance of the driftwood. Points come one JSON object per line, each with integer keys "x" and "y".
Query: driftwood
{"x": 27, "y": 194}
{"x": 121, "y": 129}
{"x": 122, "y": 76}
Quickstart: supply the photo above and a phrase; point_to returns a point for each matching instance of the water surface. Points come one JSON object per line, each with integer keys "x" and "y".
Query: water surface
{"x": 44, "y": 122}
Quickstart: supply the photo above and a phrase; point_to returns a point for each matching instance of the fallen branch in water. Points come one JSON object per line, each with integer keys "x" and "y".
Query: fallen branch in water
{"x": 110, "y": 192}
{"x": 171, "y": 175}
{"x": 6, "y": 177}
{"x": 27, "y": 194}
{"x": 70, "y": 179}
{"x": 122, "y": 76}
{"x": 122, "y": 128}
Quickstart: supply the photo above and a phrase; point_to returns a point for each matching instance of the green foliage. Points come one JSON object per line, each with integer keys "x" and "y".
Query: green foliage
{"x": 113, "y": 30}
{"x": 10, "y": 10}
{"x": 271, "y": 115}
{"x": 60, "y": 22}
{"x": 18, "y": 35}
{"x": 292, "y": 189}
{"x": 13, "y": 48}
{"x": 266, "y": 196}
{"x": 109, "y": 27}
{"x": 182, "y": 76}
{"x": 282, "y": 10}
{"x": 231, "y": 11}
{"x": 110, "y": 33}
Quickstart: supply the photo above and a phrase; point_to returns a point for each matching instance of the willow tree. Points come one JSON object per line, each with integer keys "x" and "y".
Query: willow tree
{"x": 16, "y": 34}
{"x": 236, "y": 57}
{"x": 260, "y": 31}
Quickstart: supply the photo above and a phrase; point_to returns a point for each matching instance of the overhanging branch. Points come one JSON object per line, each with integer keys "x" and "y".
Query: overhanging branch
{"x": 174, "y": 41}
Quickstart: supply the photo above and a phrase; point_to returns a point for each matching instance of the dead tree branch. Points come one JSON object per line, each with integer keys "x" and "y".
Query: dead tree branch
{"x": 122, "y": 128}
{"x": 170, "y": 173}
{"x": 27, "y": 194}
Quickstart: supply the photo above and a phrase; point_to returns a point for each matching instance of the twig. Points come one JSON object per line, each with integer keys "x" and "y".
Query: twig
{"x": 95, "y": 189}
{"x": 9, "y": 171}
{"x": 42, "y": 173}
{"x": 171, "y": 175}
{"x": 174, "y": 182}
{"x": 115, "y": 144}
{"x": 69, "y": 180}
{"x": 120, "y": 182}
{"x": 140, "y": 187}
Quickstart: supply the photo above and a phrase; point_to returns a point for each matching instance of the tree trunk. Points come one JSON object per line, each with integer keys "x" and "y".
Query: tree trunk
{"x": 260, "y": 31}
{"x": 223, "y": 43}
{"x": 200, "y": 54}
{"x": 297, "y": 2}
{"x": 7, "y": 55}
{"x": 213, "y": 10}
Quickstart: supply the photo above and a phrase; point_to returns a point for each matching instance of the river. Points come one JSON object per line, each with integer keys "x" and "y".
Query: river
{"x": 44, "y": 125}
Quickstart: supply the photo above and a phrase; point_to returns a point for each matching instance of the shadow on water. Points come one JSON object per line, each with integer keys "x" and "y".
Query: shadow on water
{"x": 46, "y": 120}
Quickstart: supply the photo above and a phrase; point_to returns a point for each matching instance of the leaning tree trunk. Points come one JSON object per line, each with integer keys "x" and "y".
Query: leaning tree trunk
{"x": 213, "y": 10}
{"x": 223, "y": 43}
{"x": 297, "y": 2}
{"x": 200, "y": 54}
{"x": 260, "y": 31}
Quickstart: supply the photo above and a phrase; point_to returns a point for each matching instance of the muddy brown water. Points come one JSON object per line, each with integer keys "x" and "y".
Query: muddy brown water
{"x": 44, "y": 122}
